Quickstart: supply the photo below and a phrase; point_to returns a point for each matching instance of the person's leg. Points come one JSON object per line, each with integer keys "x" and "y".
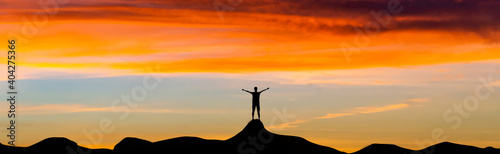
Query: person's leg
{"x": 258, "y": 110}
{"x": 253, "y": 110}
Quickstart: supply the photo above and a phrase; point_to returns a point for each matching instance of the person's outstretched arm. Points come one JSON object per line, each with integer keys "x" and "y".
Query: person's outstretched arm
{"x": 246, "y": 91}
{"x": 264, "y": 89}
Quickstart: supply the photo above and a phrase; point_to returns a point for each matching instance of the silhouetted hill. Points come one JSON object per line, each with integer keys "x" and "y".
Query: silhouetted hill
{"x": 267, "y": 142}
{"x": 447, "y": 147}
{"x": 383, "y": 149}
{"x": 174, "y": 145}
{"x": 441, "y": 148}
{"x": 491, "y": 150}
{"x": 53, "y": 145}
{"x": 253, "y": 139}
{"x": 130, "y": 144}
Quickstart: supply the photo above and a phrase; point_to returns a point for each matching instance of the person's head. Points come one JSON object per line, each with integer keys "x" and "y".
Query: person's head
{"x": 255, "y": 88}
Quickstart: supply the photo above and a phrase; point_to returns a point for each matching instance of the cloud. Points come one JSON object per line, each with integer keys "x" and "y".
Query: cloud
{"x": 495, "y": 83}
{"x": 364, "y": 110}
{"x": 408, "y": 76}
{"x": 353, "y": 111}
{"x": 258, "y": 36}
{"x": 282, "y": 126}
{"x": 417, "y": 100}
{"x": 359, "y": 110}
{"x": 78, "y": 108}
{"x": 334, "y": 115}
{"x": 65, "y": 73}
{"x": 338, "y": 16}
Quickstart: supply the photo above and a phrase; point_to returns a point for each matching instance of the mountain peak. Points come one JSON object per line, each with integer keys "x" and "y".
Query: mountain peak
{"x": 55, "y": 141}
{"x": 131, "y": 142}
{"x": 251, "y": 129}
{"x": 382, "y": 148}
{"x": 254, "y": 125}
{"x": 449, "y": 147}
{"x": 448, "y": 144}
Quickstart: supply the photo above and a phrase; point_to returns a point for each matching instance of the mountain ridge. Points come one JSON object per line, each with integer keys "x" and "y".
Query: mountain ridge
{"x": 254, "y": 138}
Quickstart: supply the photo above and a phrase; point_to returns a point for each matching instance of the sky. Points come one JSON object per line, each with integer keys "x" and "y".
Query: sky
{"x": 343, "y": 74}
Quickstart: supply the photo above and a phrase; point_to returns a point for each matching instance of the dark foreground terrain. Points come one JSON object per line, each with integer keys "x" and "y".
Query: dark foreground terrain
{"x": 253, "y": 139}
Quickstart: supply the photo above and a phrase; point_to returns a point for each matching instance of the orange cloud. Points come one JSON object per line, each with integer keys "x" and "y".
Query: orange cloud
{"x": 292, "y": 124}
{"x": 379, "y": 109}
{"x": 354, "y": 111}
{"x": 77, "y": 108}
{"x": 190, "y": 37}
{"x": 495, "y": 83}
{"x": 334, "y": 115}
{"x": 417, "y": 100}
{"x": 363, "y": 110}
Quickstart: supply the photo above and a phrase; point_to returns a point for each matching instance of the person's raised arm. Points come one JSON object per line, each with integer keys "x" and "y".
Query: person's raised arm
{"x": 246, "y": 91}
{"x": 264, "y": 89}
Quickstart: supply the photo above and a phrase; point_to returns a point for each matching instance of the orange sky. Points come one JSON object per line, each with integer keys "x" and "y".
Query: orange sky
{"x": 193, "y": 38}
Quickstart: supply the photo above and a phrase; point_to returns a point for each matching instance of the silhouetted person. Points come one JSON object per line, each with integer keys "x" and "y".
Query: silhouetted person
{"x": 255, "y": 100}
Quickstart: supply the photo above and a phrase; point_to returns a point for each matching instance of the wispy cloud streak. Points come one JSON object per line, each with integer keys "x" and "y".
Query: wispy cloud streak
{"x": 354, "y": 111}
{"x": 78, "y": 108}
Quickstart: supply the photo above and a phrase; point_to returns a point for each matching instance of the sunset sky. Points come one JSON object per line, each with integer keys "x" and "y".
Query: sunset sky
{"x": 347, "y": 73}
